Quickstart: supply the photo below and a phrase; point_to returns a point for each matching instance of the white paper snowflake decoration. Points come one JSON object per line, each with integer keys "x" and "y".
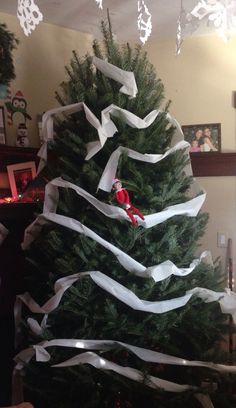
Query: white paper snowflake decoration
{"x": 99, "y": 2}
{"x": 144, "y": 21}
{"x": 186, "y": 25}
{"x": 180, "y": 26}
{"x": 221, "y": 13}
{"x": 29, "y": 15}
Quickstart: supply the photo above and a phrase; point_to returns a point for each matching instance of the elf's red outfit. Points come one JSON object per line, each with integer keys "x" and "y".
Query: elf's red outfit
{"x": 122, "y": 196}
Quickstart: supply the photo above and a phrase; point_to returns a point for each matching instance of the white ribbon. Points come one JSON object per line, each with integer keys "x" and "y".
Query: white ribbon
{"x": 52, "y": 197}
{"x": 37, "y": 328}
{"x": 3, "y": 233}
{"x": 157, "y": 272}
{"x": 110, "y": 170}
{"x": 131, "y": 373}
{"x": 128, "y": 117}
{"x": 147, "y": 355}
{"x": 190, "y": 208}
{"x": 227, "y": 300}
{"x": 48, "y": 133}
{"x": 123, "y": 77}
{"x": 105, "y": 129}
{"x": 103, "y": 364}
{"x": 109, "y": 285}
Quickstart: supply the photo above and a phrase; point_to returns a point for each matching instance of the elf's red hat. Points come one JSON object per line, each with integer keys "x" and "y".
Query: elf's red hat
{"x": 114, "y": 181}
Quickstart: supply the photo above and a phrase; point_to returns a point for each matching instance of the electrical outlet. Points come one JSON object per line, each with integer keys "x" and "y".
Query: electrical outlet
{"x": 221, "y": 240}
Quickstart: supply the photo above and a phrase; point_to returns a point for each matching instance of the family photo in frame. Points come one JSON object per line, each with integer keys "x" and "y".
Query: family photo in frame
{"x": 203, "y": 138}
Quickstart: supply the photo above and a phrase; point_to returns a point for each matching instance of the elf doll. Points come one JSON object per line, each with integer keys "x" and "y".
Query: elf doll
{"x": 122, "y": 197}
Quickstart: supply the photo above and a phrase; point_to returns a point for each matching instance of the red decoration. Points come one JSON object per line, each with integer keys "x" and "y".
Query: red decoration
{"x": 122, "y": 197}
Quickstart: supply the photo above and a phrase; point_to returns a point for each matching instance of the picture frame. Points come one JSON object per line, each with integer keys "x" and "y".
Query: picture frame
{"x": 20, "y": 175}
{"x": 2, "y": 126}
{"x": 203, "y": 138}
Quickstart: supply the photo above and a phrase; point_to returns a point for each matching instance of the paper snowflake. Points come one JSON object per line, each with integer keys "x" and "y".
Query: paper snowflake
{"x": 99, "y": 2}
{"x": 144, "y": 21}
{"x": 29, "y": 15}
{"x": 221, "y": 13}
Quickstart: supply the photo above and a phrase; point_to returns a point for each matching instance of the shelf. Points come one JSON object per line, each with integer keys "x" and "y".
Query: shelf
{"x": 13, "y": 155}
{"x": 213, "y": 164}
{"x": 203, "y": 164}
{"x": 20, "y": 211}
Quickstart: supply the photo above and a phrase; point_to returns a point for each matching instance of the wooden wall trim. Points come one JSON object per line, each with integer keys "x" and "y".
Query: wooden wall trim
{"x": 213, "y": 164}
{"x": 203, "y": 164}
{"x": 13, "y": 155}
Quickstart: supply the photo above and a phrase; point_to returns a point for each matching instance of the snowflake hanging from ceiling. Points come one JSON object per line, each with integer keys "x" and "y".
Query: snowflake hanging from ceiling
{"x": 29, "y": 15}
{"x": 99, "y": 2}
{"x": 221, "y": 13}
{"x": 180, "y": 25}
{"x": 144, "y": 21}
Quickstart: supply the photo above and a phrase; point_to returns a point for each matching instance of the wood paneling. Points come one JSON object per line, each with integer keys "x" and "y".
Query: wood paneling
{"x": 213, "y": 164}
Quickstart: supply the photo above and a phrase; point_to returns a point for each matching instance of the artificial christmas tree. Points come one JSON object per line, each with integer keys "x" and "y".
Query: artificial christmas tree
{"x": 117, "y": 300}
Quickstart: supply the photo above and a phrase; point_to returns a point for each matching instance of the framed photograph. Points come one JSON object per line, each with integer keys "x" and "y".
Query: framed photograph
{"x": 203, "y": 138}
{"x": 19, "y": 176}
{"x": 2, "y": 126}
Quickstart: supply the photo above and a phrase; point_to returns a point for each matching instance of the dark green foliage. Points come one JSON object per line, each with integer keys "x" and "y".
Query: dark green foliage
{"x": 88, "y": 312}
{"x": 8, "y": 42}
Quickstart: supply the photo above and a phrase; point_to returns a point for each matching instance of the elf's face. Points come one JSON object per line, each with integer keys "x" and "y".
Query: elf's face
{"x": 117, "y": 185}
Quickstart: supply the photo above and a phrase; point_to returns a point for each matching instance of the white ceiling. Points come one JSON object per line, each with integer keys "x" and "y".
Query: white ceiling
{"x": 85, "y": 15}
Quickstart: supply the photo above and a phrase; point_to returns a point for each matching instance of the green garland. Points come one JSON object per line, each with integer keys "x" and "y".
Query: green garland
{"x": 8, "y": 42}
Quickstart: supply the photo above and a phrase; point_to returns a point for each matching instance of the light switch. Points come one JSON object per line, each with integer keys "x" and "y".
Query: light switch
{"x": 221, "y": 240}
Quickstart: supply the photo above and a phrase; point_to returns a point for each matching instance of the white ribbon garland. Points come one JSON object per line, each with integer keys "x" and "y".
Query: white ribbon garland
{"x": 157, "y": 272}
{"x": 110, "y": 170}
{"x": 48, "y": 133}
{"x": 105, "y": 129}
{"x": 131, "y": 373}
{"x": 227, "y": 300}
{"x": 189, "y": 208}
{"x": 109, "y": 285}
{"x": 123, "y": 77}
{"x": 128, "y": 117}
{"x": 103, "y": 364}
{"x": 37, "y": 328}
{"x": 147, "y": 355}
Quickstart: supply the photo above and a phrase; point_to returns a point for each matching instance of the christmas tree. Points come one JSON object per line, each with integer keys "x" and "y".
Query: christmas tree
{"x": 128, "y": 291}
{"x": 8, "y": 42}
